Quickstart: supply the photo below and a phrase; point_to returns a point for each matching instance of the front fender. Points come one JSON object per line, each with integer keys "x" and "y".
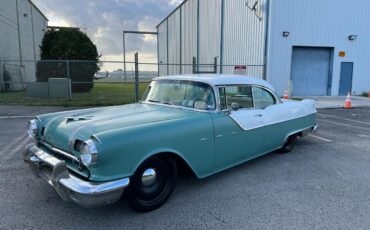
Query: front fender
{"x": 121, "y": 151}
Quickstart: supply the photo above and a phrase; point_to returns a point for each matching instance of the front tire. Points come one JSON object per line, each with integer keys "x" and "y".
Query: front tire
{"x": 288, "y": 145}
{"x": 152, "y": 183}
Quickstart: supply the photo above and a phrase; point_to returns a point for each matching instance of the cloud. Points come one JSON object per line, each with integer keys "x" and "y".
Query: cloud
{"x": 105, "y": 20}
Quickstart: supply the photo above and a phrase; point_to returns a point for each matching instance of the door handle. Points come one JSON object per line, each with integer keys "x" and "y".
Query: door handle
{"x": 258, "y": 115}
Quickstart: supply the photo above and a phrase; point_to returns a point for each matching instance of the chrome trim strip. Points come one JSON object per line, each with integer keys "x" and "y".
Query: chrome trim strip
{"x": 51, "y": 148}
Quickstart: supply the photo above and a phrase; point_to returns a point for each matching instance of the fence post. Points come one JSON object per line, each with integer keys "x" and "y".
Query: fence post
{"x": 69, "y": 81}
{"x": 1, "y": 76}
{"x": 136, "y": 77}
{"x": 194, "y": 65}
{"x": 215, "y": 65}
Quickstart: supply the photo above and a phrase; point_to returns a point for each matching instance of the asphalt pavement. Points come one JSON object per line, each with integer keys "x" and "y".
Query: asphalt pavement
{"x": 323, "y": 184}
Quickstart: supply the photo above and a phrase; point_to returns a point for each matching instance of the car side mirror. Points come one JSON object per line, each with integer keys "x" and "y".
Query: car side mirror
{"x": 235, "y": 106}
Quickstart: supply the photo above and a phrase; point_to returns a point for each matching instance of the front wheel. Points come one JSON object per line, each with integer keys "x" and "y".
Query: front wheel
{"x": 289, "y": 144}
{"x": 152, "y": 183}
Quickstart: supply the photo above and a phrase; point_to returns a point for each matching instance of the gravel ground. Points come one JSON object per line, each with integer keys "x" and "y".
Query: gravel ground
{"x": 322, "y": 184}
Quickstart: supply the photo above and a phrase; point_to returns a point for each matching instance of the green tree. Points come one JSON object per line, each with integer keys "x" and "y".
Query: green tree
{"x": 68, "y": 44}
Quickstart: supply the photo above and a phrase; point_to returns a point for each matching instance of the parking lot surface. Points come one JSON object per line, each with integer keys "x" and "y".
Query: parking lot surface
{"x": 323, "y": 184}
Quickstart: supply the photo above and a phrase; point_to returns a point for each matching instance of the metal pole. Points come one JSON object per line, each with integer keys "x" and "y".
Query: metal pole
{"x": 124, "y": 56}
{"x": 136, "y": 77}
{"x": 167, "y": 47}
{"x": 222, "y": 36}
{"x": 180, "y": 40}
{"x": 69, "y": 82}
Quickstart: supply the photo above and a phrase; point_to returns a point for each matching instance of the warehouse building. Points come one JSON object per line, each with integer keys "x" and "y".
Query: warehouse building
{"x": 22, "y": 27}
{"x": 312, "y": 47}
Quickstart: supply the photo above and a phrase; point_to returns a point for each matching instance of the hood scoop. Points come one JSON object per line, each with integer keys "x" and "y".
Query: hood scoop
{"x": 78, "y": 118}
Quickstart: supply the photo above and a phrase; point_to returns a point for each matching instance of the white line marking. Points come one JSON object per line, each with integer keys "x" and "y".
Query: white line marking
{"x": 13, "y": 144}
{"x": 320, "y": 138}
{"x": 15, "y": 117}
{"x": 346, "y": 119}
{"x": 16, "y": 149}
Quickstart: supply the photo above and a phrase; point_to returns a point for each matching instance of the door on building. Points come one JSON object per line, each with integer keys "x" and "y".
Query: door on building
{"x": 345, "y": 82}
{"x": 311, "y": 71}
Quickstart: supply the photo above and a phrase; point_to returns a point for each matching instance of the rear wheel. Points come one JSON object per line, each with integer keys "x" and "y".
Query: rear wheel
{"x": 152, "y": 183}
{"x": 289, "y": 144}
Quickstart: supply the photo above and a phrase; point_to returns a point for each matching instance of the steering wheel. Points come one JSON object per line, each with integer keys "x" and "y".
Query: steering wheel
{"x": 199, "y": 101}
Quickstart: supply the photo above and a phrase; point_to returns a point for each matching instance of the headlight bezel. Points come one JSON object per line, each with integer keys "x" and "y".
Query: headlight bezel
{"x": 88, "y": 153}
{"x": 32, "y": 128}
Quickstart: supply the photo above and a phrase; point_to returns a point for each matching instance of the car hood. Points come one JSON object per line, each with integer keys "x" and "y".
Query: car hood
{"x": 61, "y": 130}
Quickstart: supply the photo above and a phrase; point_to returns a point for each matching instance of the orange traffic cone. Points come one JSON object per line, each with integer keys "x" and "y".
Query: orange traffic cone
{"x": 348, "y": 103}
{"x": 286, "y": 95}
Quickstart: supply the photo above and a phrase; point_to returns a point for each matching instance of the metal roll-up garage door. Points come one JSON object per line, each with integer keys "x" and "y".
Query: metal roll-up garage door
{"x": 311, "y": 70}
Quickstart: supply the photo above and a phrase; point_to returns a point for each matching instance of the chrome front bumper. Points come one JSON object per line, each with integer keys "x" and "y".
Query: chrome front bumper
{"x": 69, "y": 187}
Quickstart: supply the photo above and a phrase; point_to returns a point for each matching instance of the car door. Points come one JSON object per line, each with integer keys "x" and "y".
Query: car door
{"x": 239, "y": 128}
{"x": 273, "y": 112}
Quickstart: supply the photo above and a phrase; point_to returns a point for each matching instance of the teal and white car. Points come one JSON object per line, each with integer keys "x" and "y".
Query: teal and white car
{"x": 207, "y": 122}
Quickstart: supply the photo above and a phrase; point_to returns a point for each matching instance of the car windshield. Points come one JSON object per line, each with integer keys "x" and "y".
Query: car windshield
{"x": 188, "y": 94}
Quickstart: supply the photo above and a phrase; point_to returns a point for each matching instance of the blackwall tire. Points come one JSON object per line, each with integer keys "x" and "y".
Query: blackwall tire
{"x": 288, "y": 145}
{"x": 145, "y": 194}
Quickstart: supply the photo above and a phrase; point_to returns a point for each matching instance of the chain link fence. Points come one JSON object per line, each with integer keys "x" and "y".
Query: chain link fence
{"x": 88, "y": 83}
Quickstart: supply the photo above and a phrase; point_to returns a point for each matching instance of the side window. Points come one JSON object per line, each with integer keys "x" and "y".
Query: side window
{"x": 238, "y": 94}
{"x": 262, "y": 98}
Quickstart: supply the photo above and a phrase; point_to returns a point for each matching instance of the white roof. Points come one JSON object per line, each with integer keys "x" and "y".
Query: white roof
{"x": 219, "y": 79}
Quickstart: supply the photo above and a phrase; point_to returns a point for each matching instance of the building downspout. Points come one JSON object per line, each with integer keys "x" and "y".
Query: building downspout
{"x": 222, "y": 36}
{"x": 19, "y": 35}
{"x": 267, "y": 30}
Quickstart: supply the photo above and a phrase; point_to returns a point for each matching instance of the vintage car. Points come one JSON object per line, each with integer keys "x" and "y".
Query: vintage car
{"x": 206, "y": 122}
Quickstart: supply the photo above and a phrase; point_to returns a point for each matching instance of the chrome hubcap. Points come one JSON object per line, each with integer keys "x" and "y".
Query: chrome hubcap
{"x": 148, "y": 177}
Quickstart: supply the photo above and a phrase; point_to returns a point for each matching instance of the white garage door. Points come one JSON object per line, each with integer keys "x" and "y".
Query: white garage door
{"x": 311, "y": 69}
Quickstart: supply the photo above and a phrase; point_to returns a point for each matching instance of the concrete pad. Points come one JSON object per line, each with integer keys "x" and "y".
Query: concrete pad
{"x": 328, "y": 102}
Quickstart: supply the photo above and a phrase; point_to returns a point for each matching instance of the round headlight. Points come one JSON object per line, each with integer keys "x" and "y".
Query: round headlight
{"x": 89, "y": 153}
{"x": 32, "y": 128}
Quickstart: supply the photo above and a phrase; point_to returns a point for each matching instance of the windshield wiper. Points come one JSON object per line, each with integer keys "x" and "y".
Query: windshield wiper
{"x": 155, "y": 101}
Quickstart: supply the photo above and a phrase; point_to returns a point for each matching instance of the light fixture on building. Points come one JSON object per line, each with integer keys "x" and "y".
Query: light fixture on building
{"x": 286, "y": 34}
{"x": 352, "y": 37}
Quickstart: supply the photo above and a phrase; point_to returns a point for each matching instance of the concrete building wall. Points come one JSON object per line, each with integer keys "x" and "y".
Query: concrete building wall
{"x": 316, "y": 23}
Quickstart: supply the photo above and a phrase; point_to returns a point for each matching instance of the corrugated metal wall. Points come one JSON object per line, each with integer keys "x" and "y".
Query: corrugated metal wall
{"x": 195, "y": 30}
{"x": 244, "y": 37}
{"x": 174, "y": 43}
{"x": 209, "y": 33}
{"x": 189, "y": 35}
{"x": 162, "y": 48}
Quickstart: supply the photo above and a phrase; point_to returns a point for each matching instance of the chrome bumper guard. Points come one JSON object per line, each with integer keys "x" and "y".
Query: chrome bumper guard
{"x": 69, "y": 187}
{"x": 313, "y": 129}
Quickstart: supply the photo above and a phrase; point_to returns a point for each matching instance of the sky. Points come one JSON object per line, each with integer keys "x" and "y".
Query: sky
{"x": 104, "y": 21}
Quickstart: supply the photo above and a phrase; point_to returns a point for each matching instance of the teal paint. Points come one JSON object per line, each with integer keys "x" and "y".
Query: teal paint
{"x": 130, "y": 134}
